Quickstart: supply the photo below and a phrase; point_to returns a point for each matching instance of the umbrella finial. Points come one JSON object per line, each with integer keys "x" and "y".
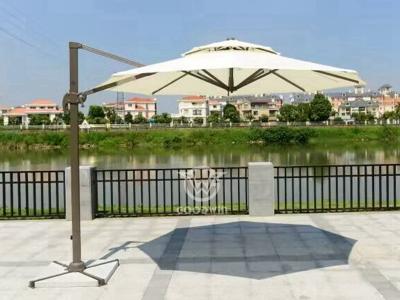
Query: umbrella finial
{"x": 230, "y": 39}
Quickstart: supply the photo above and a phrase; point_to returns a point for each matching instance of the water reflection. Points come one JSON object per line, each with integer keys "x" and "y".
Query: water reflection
{"x": 232, "y": 155}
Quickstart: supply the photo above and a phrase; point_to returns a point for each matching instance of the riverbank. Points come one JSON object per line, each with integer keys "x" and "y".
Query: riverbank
{"x": 192, "y": 138}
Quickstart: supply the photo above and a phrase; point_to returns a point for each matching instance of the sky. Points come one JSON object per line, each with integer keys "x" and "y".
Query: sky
{"x": 34, "y": 34}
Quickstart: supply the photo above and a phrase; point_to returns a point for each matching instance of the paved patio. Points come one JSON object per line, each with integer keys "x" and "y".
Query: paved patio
{"x": 314, "y": 256}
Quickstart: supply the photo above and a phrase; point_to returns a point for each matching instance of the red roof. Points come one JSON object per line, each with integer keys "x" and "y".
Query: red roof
{"x": 42, "y": 102}
{"x": 18, "y": 111}
{"x": 141, "y": 100}
{"x": 193, "y": 97}
{"x": 22, "y": 111}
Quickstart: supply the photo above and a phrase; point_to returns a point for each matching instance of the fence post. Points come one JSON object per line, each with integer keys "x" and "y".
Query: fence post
{"x": 88, "y": 188}
{"x": 261, "y": 189}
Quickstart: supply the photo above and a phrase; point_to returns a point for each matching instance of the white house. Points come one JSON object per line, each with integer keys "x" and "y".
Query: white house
{"x": 3, "y": 110}
{"x": 192, "y": 107}
{"x": 146, "y": 107}
{"x": 36, "y": 107}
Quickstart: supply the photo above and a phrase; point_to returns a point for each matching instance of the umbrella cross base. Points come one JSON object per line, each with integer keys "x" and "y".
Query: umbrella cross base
{"x": 95, "y": 273}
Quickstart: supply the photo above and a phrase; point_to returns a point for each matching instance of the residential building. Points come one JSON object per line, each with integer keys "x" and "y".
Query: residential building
{"x": 357, "y": 97}
{"x": 36, "y": 107}
{"x": 253, "y": 107}
{"x": 347, "y": 108}
{"x": 388, "y": 103}
{"x": 192, "y": 107}
{"x": 377, "y": 102}
{"x": 146, "y": 107}
{"x": 3, "y": 109}
{"x": 298, "y": 98}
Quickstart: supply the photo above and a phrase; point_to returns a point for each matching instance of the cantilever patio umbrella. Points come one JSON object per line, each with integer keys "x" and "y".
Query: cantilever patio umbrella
{"x": 232, "y": 67}
{"x": 225, "y": 68}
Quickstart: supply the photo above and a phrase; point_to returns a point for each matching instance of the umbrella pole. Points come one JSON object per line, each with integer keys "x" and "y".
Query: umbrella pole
{"x": 73, "y": 99}
{"x": 77, "y": 264}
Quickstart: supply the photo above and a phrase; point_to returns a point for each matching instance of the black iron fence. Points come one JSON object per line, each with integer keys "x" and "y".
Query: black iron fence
{"x": 30, "y": 194}
{"x": 335, "y": 188}
{"x": 181, "y": 191}
{"x": 172, "y": 191}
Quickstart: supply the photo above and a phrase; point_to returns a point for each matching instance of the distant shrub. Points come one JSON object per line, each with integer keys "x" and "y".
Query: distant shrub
{"x": 286, "y": 135}
{"x": 171, "y": 142}
{"x": 338, "y": 121}
{"x": 302, "y": 135}
{"x": 389, "y": 134}
{"x": 256, "y": 134}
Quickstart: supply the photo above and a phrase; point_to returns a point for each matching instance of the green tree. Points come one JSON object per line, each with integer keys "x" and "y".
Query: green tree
{"x": 182, "y": 120}
{"x": 96, "y": 111}
{"x": 214, "y": 117}
{"x": 139, "y": 119}
{"x": 320, "y": 108}
{"x": 249, "y": 117}
{"x": 128, "y": 118}
{"x": 198, "y": 120}
{"x": 231, "y": 114}
{"x": 66, "y": 117}
{"x": 112, "y": 115}
{"x": 164, "y": 118}
{"x": 303, "y": 112}
{"x": 14, "y": 121}
{"x": 96, "y": 115}
{"x": 39, "y": 120}
{"x": 397, "y": 112}
{"x": 288, "y": 113}
{"x": 362, "y": 117}
{"x": 263, "y": 118}
{"x": 388, "y": 115}
{"x": 338, "y": 121}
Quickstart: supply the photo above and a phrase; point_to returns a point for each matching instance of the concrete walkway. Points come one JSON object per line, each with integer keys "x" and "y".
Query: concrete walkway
{"x": 314, "y": 256}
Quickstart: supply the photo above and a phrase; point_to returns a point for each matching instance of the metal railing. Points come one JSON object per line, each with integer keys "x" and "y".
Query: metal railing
{"x": 30, "y": 194}
{"x": 148, "y": 126}
{"x": 172, "y": 191}
{"x": 335, "y": 188}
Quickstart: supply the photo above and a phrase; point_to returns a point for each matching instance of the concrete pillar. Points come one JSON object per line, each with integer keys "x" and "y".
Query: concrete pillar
{"x": 261, "y": 189}
{"x": 88, "y": 192}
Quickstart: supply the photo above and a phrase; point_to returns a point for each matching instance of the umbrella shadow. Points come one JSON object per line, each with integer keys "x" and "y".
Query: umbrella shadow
{"x": 249, "y": 249}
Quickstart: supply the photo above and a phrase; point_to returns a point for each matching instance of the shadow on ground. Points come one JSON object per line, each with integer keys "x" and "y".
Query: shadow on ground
{"x": 249, "y": 249}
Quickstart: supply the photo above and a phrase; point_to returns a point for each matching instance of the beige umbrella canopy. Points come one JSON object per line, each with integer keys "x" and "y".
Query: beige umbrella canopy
{"x": 235, "y": 68}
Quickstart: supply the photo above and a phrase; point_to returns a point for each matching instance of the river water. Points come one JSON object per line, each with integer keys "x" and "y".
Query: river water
{"x": 228, "y": 155}
{"x": 363, "y": 187}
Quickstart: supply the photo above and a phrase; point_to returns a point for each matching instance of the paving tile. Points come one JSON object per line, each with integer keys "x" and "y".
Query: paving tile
{"x": 222, "y": 257}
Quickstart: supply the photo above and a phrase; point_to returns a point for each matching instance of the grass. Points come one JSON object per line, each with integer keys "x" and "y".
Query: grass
{"x": 139, "y": 210}
{"x": 23, "y": 213}
{"x": 292, "y": 207}
{"x": 332, "y": 206}
{"x": 198, "y": 137}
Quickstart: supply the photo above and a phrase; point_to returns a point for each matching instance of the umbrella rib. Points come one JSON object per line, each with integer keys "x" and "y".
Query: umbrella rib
{"x": 231, "y": 80}
{"x": 337, "y": 76}
{"x": 249, "y": 78}
{"x": 206, "y": 79}
{"x": 169, "y": 83}
{"x": 289, "y": 81}
{"x": 253, "y": 79}
{"x": 115, "y": 83}
{"x": 215, "y": 78}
